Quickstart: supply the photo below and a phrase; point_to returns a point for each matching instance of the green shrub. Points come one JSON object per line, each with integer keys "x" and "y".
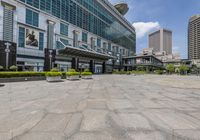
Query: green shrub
{"x": 183, "y": 69}
{"x": 1, "y": 68}
{"x": 160, "y": 72}
{"x": 13, "y": 68}
{"x": 53, "y": 74}
{"x": 20, "y": 74}
{"x": 86, "y": 73}
{"x": 140, "y": 68}
{"x": 121, "y": 72}
{"x": 72, "y": 72}
{"x": 86, "y": 70}
{"x": 54, "y": 70}
{"x": 139, "y": 72}
{"x": 170, "y": 68}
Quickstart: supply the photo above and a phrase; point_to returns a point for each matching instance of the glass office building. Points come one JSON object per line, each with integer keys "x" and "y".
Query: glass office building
{"x": 67, "y": 34}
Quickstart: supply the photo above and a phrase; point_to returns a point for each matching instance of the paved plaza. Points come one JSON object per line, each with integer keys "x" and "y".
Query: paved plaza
{"x": 109, "y": 107}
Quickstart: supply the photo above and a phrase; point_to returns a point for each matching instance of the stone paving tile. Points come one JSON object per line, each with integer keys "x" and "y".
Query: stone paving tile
{"x": 41, "y": 136}
{"x": 119, "y": 104}
{"x": 151, "y": 135}
{"x": 131, "y": 121}
{"x": 52, "y": 123}
{"x": 93, "y": 136}
{"x": 74, "y": 124}
{"x": 5, "y": 135}
{"x": 186, "y": 134}
{"x": 94, "y": 120}
{"x": 109, "y": 107}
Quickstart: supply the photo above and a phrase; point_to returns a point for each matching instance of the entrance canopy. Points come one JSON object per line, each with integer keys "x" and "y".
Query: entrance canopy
{"x": 83, "y": 52}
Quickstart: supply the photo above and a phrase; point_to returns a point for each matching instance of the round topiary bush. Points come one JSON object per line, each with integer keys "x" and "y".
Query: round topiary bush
{"x": 72, "y": 72}
{"x": 13, "y": 68}
{"x": 53, "y": 74}
{"x": 54, "y": 70}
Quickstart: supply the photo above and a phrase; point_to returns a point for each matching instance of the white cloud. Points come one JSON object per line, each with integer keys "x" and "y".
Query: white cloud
{"x": 175, "y": 49}
{"x": 142, "y": 28}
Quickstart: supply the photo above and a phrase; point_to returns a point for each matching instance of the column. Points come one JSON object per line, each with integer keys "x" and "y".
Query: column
{"x": 8, "y": 21}
{"x": 50, "y": 35}
{"x": 104, "y": 67}
{"x": 73, "y": 63}
{"x": 92, "y": 66}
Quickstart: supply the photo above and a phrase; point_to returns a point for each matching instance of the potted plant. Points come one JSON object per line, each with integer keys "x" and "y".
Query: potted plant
{"x": 72, "y": 74}
{"x": 53, "y": 76}
{"x": 86, "y": 74}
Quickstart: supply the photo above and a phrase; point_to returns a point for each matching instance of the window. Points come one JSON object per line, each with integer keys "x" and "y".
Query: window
{"x": 63, "y": 29}
{"x": 109, "y": 46}
{"x": 84, "y": 37}
{"x": 64, "y": 41}
{"x": 60, "y": 45}
{"x": 41, "y": 41}
{"x": 85, "y": 46}
{"x": 32, "y": 18}
{"x": 98, "y": 42}
{"x": 21, "y": 39}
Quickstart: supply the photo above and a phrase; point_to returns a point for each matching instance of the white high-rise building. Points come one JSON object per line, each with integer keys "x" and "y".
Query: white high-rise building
{"x": 194, "y": 37}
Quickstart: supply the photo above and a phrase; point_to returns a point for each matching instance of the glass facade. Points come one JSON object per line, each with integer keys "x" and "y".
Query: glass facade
{"x": 89, "y": 15}
{"x": 63, "y": 29}
{"x": 21, "y": 38}
{"x": 84, "y": 37}
{"x": 32, "y": 18}
{"x": 41, "y": 41}
{"x": 98, "y": 42}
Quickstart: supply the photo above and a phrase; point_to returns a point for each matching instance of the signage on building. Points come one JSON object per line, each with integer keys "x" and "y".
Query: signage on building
{"x": 32, "y": 38}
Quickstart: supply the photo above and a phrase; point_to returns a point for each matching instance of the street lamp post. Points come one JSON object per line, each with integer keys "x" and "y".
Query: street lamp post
{"x": 7, "y": 50}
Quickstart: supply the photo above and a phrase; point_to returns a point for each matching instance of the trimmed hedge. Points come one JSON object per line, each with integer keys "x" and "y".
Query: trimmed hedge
{"x": 54, "y": 70}
{"x": 52, "y": 74}
{"x": 21, "y": 74}
{"x": 130, "y": 72}
{"x": 86, "y": 73}
{"x": 72, "y": 73}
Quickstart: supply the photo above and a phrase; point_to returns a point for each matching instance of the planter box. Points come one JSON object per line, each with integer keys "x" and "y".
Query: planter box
{"x": 86, "y": 76}
{"x": 54, "y": 79}
{"x": 73, "y": 77}
{"x": 21, "y": 79}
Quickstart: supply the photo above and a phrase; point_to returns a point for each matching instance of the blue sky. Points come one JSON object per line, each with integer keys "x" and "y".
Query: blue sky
{"x": 148, "y": 15}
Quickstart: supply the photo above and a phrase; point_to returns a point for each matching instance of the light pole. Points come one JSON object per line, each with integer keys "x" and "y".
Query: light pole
{"x": 7, "y": 50}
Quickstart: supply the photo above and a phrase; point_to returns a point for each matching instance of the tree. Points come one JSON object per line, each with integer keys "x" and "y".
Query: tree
{"x": 183, "y": 69}
{"x": 170, "y": 68}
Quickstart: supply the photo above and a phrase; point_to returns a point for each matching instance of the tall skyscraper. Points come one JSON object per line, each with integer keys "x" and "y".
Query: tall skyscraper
{"x": 194, "y": 37}
{"x": 161, "y": 41}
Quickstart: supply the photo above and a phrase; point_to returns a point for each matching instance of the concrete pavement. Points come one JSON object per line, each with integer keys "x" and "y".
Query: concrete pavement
{"x": 109, "y": 107}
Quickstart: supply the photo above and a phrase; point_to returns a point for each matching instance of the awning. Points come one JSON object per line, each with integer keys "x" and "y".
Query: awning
{"x": 83, "y": 52}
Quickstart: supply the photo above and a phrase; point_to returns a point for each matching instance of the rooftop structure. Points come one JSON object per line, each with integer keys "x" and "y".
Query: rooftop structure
{"x": 122, "y": 8}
